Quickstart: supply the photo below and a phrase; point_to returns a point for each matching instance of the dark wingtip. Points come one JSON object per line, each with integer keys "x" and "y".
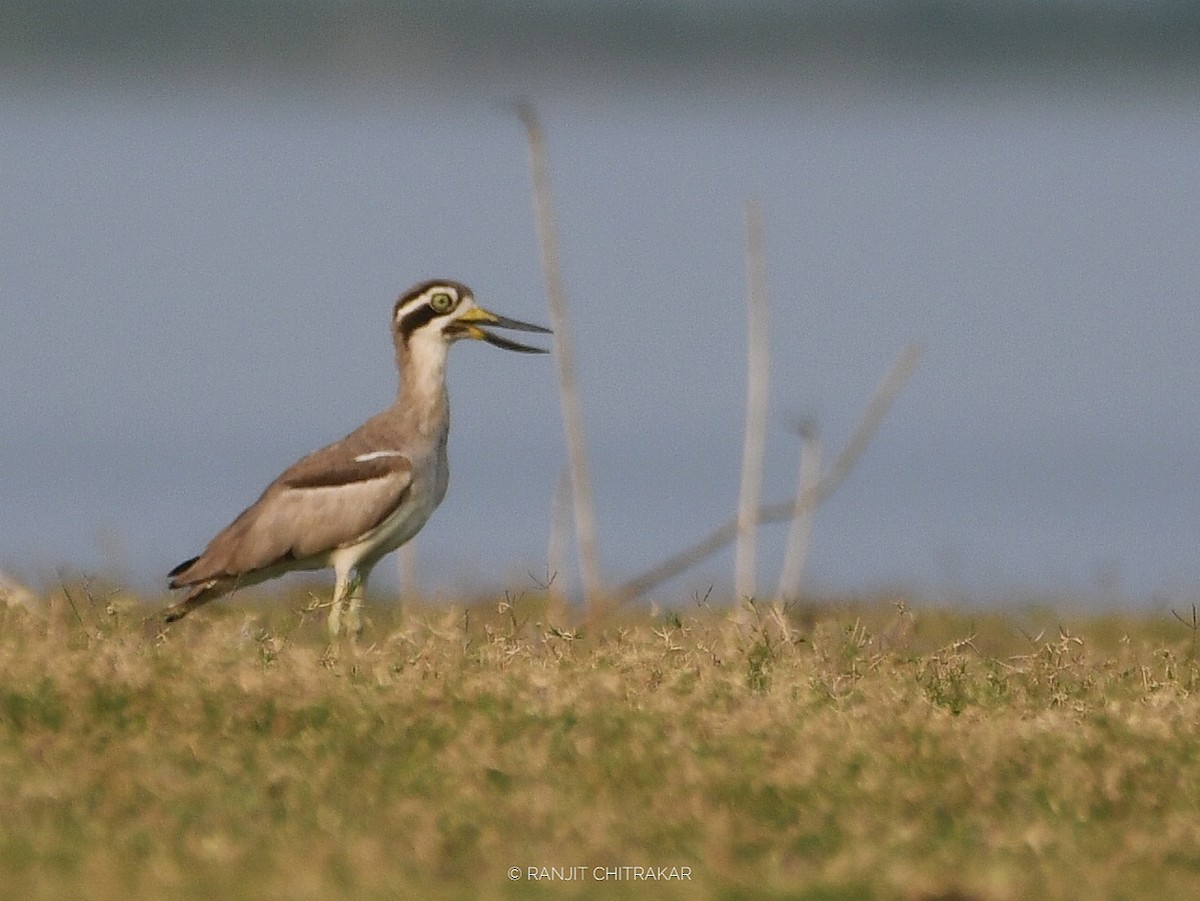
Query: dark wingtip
{"x": 180, "y": 569}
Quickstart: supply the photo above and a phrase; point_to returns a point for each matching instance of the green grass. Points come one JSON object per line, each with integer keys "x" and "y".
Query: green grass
{"x": 831, "y": 753}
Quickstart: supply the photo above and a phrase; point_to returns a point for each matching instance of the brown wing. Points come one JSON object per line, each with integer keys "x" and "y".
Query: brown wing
{"x": 326, "y": 500}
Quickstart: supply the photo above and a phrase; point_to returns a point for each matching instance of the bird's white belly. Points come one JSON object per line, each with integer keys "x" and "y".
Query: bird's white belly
{"x": 406, "y": 520}
{"x": 401, "y": 526}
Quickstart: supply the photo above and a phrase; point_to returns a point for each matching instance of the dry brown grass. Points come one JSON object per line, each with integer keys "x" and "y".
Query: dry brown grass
{"x": 831, "y": 753}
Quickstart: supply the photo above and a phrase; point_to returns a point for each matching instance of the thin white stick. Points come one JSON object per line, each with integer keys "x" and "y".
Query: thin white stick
{"x": 581, "y": 487}
{"x": 899, "y": 373}
{"x": 754, "y": 439}
{"x": 807, "y": 479}
{"x": 556, "y": 549}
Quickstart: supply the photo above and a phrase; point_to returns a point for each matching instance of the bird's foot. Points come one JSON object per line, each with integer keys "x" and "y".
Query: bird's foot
{"x": 345, "y": 619}
{"x": 352, "y": 623}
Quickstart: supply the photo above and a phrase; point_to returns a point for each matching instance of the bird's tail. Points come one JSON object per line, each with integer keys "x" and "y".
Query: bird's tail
{"x": 176, "y": 576}
{"x": 200, "y": 592}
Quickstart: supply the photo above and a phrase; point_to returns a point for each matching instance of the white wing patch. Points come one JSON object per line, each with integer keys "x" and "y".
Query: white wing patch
{"x": 377, "y": 455}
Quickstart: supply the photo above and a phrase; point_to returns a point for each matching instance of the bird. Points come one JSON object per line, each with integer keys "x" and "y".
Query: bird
{"x": 351, "y": 503}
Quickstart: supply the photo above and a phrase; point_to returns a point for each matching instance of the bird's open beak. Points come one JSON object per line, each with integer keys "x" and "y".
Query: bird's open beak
{"x": 473, "y": 319}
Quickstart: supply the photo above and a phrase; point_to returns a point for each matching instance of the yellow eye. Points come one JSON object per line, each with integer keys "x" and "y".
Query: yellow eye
{"x": 441, "y": 302}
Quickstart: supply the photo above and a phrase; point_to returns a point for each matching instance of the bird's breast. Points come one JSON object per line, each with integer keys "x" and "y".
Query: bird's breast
{"x": 430, "y": 478}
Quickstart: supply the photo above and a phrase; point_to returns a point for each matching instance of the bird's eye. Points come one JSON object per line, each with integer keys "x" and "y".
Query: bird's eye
{"x": 441, "y": 302}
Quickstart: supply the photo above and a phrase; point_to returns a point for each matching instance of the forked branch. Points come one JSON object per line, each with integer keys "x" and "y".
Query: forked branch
{"x": 873, "y": 415}
{"x": 556, "y": 294}
{"x": 807, "y": 479}
{"x": 754, "y": 437}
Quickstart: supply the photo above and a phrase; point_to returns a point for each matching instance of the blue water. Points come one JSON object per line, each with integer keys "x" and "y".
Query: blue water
{"x": 196, "y": 282}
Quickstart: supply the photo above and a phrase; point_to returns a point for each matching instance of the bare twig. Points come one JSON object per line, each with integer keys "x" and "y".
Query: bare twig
{"x": 754, "y": 437}
{"x": 1193, "y": 626}
{"x": 1193, "y": 623}
{"x": 900, "y": 372}
{"x": 872, "y": 416}
{"x": 71, "y": 600}
{"x": 581, "y": 490}
{"x": 807, "y": 479}
{"x": 556, "y": 548}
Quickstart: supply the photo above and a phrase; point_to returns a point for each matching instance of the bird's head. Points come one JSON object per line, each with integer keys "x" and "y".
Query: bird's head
{"x": 446, "y": 311}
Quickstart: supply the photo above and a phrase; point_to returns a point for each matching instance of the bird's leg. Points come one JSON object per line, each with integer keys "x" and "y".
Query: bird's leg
{"x": 358, "y": 585}
{"x": 341, "y": 587}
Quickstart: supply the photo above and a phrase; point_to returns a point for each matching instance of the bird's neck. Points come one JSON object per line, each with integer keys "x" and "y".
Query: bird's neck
{"x": 422, "y": 396}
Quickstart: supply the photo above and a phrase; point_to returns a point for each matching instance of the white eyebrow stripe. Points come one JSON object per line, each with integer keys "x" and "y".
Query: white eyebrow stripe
{"x": 423, "y": 298}
{"x": 377, "y": 455}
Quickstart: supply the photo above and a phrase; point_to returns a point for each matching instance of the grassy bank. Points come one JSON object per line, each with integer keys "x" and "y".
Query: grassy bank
{"x": 880, "y": 752}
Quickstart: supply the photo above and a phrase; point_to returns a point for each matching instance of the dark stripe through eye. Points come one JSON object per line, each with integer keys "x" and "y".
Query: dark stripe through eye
{"x": 419, "y": 317}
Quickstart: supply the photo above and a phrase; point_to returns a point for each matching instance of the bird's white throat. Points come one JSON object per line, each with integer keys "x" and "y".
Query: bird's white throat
{"x": 423, "y": 381}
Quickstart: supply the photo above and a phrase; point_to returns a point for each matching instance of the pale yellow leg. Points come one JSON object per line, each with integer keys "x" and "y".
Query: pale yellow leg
{"x": 341, "y": 587}
{"x": 358, "y": 587}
